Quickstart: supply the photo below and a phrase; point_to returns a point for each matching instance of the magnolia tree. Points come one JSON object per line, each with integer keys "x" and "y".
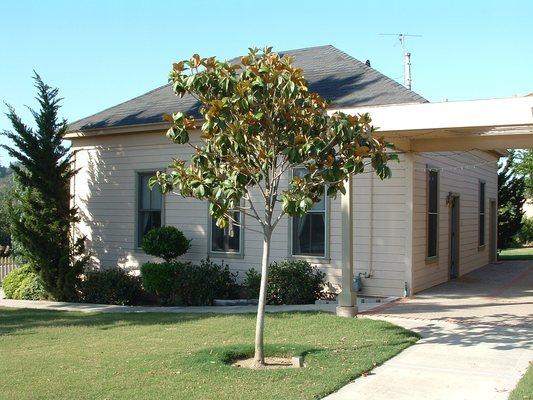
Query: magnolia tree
{"x": 259, "y": 119}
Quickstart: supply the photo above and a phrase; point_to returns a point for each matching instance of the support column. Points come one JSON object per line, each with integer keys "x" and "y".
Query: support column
{"x": 347, "y": 298}
{"x": 409, "y": 163}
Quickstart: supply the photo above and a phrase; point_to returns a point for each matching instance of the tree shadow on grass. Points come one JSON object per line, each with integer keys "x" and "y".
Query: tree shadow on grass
{"x": 23, "y": 320}
{"x": 20, "y": 321}
{"x": 226, "y": 355}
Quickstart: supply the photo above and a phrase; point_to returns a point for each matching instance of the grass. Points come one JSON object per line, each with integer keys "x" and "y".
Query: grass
{"x": 524, "y": 389}
{"x": 520, "y": 253}
{"x": 64, "y": 355}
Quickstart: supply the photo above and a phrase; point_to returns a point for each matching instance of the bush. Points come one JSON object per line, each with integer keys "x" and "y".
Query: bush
{"x": 216, "y": 281}
{"x": 289, "y": 282}
{"x": 24, "y": 283}
{"x": 252, "y": 283}
{"x": 182, "y": 283}
{"x": 166, "y": 242}
{"x": 113, "y": 286}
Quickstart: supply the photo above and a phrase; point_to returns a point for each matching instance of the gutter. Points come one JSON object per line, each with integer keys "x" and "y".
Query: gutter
{"x": 137, "y": 128}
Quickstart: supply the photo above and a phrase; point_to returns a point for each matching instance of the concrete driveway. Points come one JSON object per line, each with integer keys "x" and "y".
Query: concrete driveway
{"x": 477, "y": 339}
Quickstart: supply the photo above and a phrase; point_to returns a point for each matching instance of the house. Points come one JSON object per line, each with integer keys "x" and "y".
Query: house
{"x": 434, "y": 220}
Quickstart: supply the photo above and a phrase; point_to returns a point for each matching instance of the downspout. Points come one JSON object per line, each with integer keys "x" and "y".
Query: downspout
{"x": 358, "y": 279}
{"x": 73, "y": 164}
{"x": 371, "y": 241}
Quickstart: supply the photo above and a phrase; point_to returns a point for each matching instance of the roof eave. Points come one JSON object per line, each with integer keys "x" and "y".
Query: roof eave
{"x": 114, "y": 130}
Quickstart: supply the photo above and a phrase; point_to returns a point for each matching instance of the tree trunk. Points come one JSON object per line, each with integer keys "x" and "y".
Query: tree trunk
{"x": 259, "y": 358}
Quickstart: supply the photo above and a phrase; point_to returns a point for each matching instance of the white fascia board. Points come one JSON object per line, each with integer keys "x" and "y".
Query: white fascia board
{"x": 506, "y": 112}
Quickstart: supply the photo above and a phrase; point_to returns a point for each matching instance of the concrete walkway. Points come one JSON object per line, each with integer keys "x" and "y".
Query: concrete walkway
{"x": 477, "y": 339}
{"x": 106, "y": 308}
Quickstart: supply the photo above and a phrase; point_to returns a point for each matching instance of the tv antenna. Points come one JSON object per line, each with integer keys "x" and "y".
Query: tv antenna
{"x": 406, "y": 56}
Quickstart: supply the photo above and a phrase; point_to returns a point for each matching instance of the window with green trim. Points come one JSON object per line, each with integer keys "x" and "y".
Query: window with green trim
{"x": 149, "y": 206}
{"x": 228, "y": 239}
{"x": 481, "y": 213}
{"x": 432, "y": 212}
{"x": 309, "y": 231}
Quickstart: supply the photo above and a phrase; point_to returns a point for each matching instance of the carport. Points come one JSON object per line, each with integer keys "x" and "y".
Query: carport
{"x": 490, "y": 125}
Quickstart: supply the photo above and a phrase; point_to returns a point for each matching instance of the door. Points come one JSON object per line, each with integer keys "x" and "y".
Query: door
{"x": 493, "y": 230}
{"x": 454, "y": 237}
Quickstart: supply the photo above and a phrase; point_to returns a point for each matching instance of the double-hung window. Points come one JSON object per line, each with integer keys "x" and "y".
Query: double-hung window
{"x": 432, "y": 212}
{"x": 309, "y": 231}
{"x": 149, "y": 206}
{"x": 481, "y": 213}
{"x": 228, "y": 239}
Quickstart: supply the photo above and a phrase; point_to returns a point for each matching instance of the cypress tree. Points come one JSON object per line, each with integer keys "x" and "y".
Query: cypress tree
{"x": 42, "y": 216}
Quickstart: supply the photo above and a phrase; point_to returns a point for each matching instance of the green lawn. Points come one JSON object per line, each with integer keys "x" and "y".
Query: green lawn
{"x": 524, "y": 389}
{"x": 63, "y": 355}
{"x": 522, "y": 253}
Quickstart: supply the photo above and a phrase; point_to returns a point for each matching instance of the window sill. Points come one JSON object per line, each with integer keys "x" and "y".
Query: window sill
{"x": 224, "y": 256}
{"x": 482, "y": 247}
{"x": 432, "y": 260}
{"x": 311, "y": 259}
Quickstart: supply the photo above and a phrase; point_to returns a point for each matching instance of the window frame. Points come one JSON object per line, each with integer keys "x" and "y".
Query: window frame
{"x": 482, "y": 238}
{"x": 137, "y": 176}
{"x": 225, "y": 254}
{"x": 312, "y": 258}
{"x": 433, "y": 258}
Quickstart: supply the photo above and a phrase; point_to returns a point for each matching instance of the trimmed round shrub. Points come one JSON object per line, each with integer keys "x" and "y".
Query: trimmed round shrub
{"x": 166, "y": 242}
{"x": 113, "y": 286}
{"x": 289, "y": 282}
{"x": 160, "y": 279}
{"x": 186, "y": 284}
{"x": 24, "y": 284}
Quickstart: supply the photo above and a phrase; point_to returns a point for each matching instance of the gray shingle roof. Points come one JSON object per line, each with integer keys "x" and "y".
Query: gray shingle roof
{"x": 335, "y": 75}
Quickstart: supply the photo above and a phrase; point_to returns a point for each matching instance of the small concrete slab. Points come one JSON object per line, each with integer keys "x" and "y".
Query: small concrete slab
{"x": 297, "y": 362}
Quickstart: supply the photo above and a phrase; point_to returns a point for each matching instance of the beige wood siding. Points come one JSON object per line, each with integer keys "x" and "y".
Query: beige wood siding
{"x": 476, "y": 166}
{"x": 380, "y": 228}
{"x": 105, "y": 194}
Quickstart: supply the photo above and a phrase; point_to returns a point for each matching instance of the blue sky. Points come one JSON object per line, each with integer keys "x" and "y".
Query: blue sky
{"x": 100, "y": 53}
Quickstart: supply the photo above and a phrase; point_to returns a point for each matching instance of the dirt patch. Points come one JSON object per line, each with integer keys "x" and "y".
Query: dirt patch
{"x": 270, "y": 363}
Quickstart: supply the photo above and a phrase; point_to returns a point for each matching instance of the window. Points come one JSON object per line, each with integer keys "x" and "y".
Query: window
{"x": 309, "y": 231}
{"x": 481, "y": 213}
{"x": 227, "y": 240}
{"x": 149, "y": 204}
{"x": 432, "y": 212}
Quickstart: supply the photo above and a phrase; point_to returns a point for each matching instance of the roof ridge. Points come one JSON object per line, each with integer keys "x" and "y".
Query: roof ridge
{"x": 375, "y": 71}
{"x": 283, "y": 52}
{"x": 305, "y": 48}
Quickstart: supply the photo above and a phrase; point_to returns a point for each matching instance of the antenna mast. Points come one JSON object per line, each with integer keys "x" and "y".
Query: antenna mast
{"x": 406, "y": 57}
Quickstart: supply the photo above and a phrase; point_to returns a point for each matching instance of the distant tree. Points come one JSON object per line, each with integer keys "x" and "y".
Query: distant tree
{"x": 4, "y": 171}
{"x": 524, "y": 166}
{"x": 260, "y": 121}
{"x": 42, "y": 216}
{"x": 511, "y": 199}
{"x": 6, "y": 199}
